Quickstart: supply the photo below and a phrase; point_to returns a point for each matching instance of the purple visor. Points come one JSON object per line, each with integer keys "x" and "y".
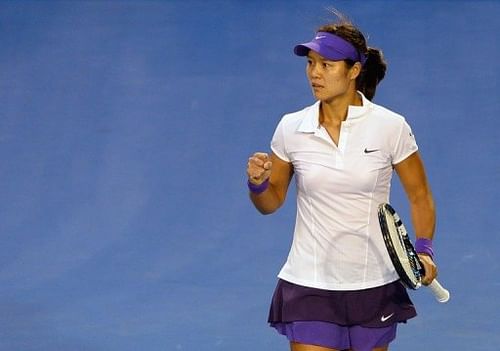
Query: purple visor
{"x": 331, "y": 47}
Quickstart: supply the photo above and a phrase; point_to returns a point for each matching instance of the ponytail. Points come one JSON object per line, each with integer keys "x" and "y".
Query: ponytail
{"x": 372, "y": 73}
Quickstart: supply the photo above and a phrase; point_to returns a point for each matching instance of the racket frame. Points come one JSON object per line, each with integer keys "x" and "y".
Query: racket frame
{"x": 441, "y": 294}
{"x": 411, "y": 278}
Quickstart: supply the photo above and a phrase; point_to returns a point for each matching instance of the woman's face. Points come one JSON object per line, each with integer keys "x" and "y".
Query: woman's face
{"x": 328, "y": 79}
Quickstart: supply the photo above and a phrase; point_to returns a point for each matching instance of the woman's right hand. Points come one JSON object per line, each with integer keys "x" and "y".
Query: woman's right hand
{"x": 259, "y": 168}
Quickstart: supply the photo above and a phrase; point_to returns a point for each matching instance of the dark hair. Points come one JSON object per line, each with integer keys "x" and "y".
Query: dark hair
{"x": 375, "y": 66}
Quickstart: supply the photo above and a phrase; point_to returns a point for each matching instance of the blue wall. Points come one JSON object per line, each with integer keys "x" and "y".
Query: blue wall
{"x": 125, "y": 129}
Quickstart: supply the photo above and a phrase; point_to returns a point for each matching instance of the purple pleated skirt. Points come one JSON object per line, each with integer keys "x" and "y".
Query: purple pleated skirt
{"x": 337, "y": 337}
{"x": 377, "y": 307}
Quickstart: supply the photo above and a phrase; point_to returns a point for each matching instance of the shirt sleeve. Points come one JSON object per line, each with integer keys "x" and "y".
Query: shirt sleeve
{"x": 405, "y": 144}
{"x": 278, "y": 143}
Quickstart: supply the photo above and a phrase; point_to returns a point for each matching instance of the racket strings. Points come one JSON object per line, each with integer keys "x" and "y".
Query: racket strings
{"x": 404, "y": 257}
{"x": 410, "y": 252}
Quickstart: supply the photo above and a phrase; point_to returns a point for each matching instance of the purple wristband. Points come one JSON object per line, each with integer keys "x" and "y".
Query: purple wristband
{"x": 424, "y": 246}
{"x": 257, "y": 189}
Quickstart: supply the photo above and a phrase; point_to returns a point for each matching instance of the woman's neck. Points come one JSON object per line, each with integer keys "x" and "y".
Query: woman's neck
{"x": 335, "y": 110}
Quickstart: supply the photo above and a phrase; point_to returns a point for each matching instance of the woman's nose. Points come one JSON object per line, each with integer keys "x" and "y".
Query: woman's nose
{"x": 315, "y": 71}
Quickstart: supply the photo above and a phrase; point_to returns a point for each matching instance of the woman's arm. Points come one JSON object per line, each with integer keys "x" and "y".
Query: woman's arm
{"x": 411, "y": 172}
{"x": 260, "y": 167}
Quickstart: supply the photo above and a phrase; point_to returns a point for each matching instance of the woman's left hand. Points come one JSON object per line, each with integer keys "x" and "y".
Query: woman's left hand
{"x": 429, "y": 267}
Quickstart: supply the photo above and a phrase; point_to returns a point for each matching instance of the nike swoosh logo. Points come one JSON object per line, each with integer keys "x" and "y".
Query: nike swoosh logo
{"x": 320, "y": 37}
{"x": 367, "y": 151}
{"x": 385, "y": 318}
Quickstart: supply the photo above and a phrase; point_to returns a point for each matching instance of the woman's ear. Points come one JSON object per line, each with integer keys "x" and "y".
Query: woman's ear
{"x": 355, "y": 71}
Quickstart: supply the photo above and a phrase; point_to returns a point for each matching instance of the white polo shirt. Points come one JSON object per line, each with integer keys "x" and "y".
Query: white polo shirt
{"x": 337, "y": 243}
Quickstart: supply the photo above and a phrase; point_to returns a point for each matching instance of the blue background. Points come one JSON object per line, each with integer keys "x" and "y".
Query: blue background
{"x": 125, "y": 129}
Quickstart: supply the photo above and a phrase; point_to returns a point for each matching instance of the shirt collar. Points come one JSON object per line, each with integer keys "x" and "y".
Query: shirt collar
{"x": 310, "y": 122}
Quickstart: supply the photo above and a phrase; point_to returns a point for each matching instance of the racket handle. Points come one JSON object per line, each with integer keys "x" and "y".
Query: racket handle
{"x": 441, "y": 294}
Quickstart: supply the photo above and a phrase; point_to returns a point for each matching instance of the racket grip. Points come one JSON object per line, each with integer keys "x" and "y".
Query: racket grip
{"x": 441, "y": 294}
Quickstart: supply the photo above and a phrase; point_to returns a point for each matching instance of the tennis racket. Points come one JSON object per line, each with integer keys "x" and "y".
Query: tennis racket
{"x": 403, "y": 254}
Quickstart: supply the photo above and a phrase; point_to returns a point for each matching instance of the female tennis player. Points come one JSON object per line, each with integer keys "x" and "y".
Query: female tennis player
{"x": 338, "y": 289}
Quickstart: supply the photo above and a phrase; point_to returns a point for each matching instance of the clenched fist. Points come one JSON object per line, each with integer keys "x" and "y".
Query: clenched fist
{"x": 259, "y": 168}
